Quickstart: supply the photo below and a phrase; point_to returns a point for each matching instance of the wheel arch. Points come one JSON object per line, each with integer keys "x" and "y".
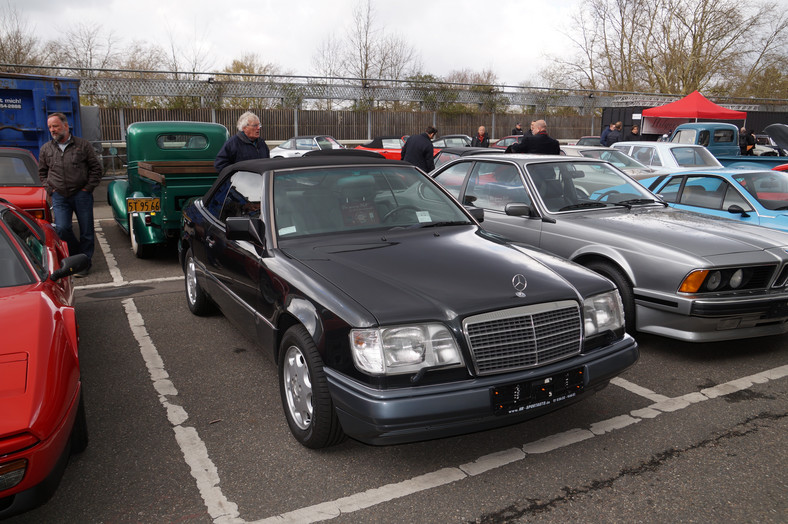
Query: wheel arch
{"x": 608, "y": 257}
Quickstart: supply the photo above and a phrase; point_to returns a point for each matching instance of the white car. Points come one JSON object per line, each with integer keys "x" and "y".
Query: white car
{"x": 298, "y": 145}
{"x": 624, "y": 162}
{"x": 671, "y": 155}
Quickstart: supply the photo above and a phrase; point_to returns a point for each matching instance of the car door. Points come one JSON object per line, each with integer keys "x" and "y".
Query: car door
{"x": 235, "y": 263}
{"x": 709, "y": 195}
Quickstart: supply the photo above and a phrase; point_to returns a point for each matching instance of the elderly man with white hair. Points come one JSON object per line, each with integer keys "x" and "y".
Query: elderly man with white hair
{"x": 245, "y": 145}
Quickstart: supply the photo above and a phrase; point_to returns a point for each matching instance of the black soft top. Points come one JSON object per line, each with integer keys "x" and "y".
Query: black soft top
{"x": 261, "y": 165}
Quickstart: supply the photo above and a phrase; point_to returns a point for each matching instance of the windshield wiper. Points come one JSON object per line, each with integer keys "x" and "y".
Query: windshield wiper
{"x": 584, "y": 205}
{"x": 635, "y": 201}
{"x": 434, "y": 224}
{"x": 441, "y": 224}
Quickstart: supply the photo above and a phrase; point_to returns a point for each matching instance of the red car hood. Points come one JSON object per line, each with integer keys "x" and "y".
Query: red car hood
{"x": 39, "y": 369}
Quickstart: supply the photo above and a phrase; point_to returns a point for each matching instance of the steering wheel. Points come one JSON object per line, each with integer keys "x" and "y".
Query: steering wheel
{"x": 607, "y": 193}
{"x": 399, "y": 209}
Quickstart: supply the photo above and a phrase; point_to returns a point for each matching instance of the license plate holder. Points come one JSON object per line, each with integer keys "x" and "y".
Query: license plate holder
{"x": 524, "y": 396}
{"x": 143, "y": 205}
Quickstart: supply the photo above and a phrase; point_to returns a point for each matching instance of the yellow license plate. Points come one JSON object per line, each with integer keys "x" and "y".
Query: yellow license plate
{"x": 143, "y": 205}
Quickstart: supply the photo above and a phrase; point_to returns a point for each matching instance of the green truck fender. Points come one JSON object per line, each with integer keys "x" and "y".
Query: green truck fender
{"x": 116, "y": 198}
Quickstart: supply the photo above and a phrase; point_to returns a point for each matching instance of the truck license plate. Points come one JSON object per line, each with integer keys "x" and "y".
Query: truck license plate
{"x": 143, "y": 205}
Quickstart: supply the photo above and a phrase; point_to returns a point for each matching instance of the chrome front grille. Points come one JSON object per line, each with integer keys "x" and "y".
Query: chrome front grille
{"x": 523, "y": 337}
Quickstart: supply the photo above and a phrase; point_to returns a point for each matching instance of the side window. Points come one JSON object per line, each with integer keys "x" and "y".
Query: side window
{"x": 244, "y": 196}
{"x": 703, "y": 138}
{"x": 453, "y": 178}
{"x": 32, "y": 244}
{"x": 495, "y": 185}
{"x": 723, "y": 136}
{"x": 703, "y": 191}
{"x": 182, "y": 141}
{"x": 733, "y": 197}
{"x": 671, "y": 190}
{"x": 216, "y": 200}
{"x": 645, "y": 155}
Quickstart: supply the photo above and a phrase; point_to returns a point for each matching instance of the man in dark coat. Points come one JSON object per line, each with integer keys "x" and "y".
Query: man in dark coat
{"x": 481, "y": 139}
{"x": 540, "y": 143}
{"x": 518, "y": 129}
{"x": 418, "y": 150}
{"x": 614, "y": 135}
{"x": 245, "y": 145}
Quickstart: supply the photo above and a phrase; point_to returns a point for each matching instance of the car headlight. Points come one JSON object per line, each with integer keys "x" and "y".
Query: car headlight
{"x": 603, "y": 312}
{"x": 705, "y": 280}
{"x": 404, "y": 349}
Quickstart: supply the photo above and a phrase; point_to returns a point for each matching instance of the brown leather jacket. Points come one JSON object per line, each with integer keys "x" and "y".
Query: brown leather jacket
{"x": 69, "y": 171}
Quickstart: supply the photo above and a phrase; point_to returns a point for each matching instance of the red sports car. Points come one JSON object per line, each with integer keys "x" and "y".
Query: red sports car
{"x": 388, "y": 146}
{"x": 42, "y": 418}
{"x": 19, "y": 182}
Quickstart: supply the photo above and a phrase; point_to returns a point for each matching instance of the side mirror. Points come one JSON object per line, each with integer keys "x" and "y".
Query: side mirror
{"x": 70, "y": 265}
{"x": 518, "y": 209}
{"x": 476, "y": 212}
{"x": 246, "y": 228}
{"x": 737, "y": 210}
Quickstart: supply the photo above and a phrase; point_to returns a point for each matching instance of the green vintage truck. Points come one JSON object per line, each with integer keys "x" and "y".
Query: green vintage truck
{"x": 168, "y": 163}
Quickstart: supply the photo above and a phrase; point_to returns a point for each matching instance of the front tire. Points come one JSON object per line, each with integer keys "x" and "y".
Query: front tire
{"x": 198, "y": 300}
{"x": 617, "y": 276}
{"x": 304, "y": 390}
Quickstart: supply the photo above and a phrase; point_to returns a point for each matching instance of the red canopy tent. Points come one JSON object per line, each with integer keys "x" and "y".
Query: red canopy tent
{"x": 694, "y": 106}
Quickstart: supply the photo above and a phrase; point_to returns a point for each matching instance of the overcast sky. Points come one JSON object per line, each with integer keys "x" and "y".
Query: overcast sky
{"x": 508, "y": 37}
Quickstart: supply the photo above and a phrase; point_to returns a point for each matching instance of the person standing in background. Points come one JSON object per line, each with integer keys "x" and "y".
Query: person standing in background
{"x": 69, "y": 169}
{"x": 245, "y": 145}
{"x": 481, "y": 139}
{"x": 418, "y": 150}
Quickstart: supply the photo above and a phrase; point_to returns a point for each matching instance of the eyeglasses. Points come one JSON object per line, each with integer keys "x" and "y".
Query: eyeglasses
{"x": 253, "y": 125}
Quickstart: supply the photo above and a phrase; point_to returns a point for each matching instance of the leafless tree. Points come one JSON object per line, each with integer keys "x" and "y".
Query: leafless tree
{"x": 18, "y": 45}
{"x": 87, "y": 47}
{"x": 368, "y": 53}
{"x": 672, "y": 46}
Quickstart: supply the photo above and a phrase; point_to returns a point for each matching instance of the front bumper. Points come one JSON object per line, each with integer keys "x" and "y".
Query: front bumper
{"x": 715, "y": 319}
{"x": 396, "y": 416}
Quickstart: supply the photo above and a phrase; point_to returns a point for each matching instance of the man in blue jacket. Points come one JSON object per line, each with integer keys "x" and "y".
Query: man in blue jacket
{"x": 245, "y": 145}
{"x": 418, "y": 150}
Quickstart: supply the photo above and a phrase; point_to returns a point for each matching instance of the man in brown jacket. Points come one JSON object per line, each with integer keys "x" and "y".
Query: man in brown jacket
{"x": 70, "y": 170}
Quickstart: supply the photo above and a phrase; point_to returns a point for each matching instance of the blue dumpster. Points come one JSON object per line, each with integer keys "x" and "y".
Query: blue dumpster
{"x": 25, "y": 103}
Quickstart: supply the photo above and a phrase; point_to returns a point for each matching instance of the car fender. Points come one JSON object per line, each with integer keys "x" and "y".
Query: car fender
{"x": 145, "y": 234}
{"x": 596, "y": 252}
{"x": 306, "y": 313}
{"x": 116, "y": 196}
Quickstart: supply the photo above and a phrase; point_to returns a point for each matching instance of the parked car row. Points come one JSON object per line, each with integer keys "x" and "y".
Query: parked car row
{"x": 400, "y": 306}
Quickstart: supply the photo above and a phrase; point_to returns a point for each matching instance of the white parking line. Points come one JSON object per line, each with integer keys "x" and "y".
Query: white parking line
{"x": 193, "y": 448}
{"x": 112, "y": 264}
{"x": 638, "y": 390}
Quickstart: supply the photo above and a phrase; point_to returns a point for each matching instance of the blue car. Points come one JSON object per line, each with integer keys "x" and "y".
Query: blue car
{"x": 755, "y": 196}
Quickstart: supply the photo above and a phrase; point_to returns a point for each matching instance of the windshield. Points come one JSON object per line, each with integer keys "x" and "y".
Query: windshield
{"x": 341, "y": 199}
{"x": 570, "y": 186}
{"x": 615, "y": 157}
{"x": 18, "y": 171}
{"x": 770, "y": 188}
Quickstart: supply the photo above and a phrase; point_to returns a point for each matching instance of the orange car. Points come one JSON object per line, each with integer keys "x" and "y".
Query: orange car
{"x": 19, "y": 182}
